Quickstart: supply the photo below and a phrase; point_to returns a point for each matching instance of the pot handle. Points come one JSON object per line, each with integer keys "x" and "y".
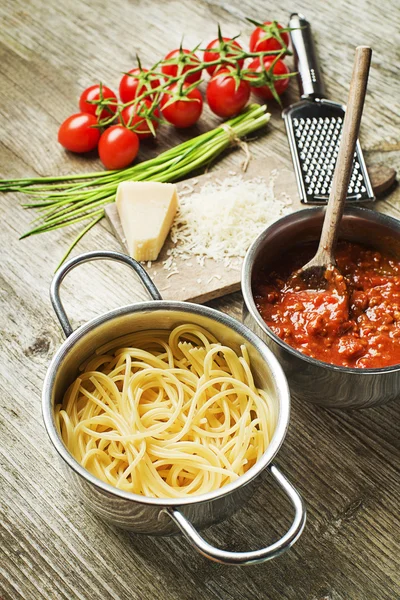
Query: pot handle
{"x": 255, "y": 556}
{"x": 88, "y": 257}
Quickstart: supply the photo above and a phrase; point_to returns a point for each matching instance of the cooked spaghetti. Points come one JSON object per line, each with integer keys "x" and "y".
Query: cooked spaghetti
{"x": 166, "y": 414}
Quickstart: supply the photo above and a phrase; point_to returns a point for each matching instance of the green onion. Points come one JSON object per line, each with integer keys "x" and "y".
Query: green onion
{"x": 65, "y": 200}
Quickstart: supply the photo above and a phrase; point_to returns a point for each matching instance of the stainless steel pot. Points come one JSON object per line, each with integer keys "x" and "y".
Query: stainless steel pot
{"x": 156, "y": 516}
{"x": 310, "y": 379}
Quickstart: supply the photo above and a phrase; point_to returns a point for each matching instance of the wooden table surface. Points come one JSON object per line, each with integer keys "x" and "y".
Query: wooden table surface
{"x": 345, "y": 463}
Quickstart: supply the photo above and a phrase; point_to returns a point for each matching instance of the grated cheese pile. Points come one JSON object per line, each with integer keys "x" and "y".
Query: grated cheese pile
{"x": 221, "y": 220}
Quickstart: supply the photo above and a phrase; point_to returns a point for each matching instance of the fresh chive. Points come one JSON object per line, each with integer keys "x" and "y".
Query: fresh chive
{"x": 66, "y": 200}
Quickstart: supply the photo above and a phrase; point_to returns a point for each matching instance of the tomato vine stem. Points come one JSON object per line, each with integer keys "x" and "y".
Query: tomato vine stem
{"x": 227, "y": 55}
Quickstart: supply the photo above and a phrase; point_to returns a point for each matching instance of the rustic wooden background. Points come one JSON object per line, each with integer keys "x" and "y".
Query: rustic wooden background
{"x": 345, "y": 464}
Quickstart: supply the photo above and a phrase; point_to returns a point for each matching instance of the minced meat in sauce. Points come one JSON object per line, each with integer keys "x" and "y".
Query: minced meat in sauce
{"x": 358, "y": 328}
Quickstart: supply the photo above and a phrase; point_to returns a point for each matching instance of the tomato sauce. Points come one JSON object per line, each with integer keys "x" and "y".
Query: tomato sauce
{"x": 356, "y": 325}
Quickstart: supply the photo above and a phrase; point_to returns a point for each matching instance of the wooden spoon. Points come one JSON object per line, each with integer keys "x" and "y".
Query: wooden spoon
{"x": 315, "y": 271}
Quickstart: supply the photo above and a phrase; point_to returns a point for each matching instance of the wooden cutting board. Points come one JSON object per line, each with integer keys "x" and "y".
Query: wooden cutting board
{"x": 200, "y": 284}
{"x": 194, "y": 282}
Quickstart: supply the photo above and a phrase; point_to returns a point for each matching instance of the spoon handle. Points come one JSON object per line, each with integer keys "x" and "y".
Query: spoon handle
{"x": 344, "y": 163}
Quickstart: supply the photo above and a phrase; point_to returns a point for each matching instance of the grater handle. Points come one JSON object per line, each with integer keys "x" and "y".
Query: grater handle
{"x": 305, "y": 57}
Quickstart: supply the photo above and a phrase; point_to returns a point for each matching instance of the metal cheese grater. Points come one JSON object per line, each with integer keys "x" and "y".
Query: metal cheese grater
{"x": 314, "y": 128}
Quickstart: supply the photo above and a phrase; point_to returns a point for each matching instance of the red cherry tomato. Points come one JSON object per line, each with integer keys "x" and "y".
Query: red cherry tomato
{"x": 211, "y": 56}
{"x": 262, "y": 40}
{"x": 78, "y": 134}
{"x": 191, "y": 60}
{"x": 182, "y": 113}
{"x": 118, "y": 147}
{"x": 133, "y": 118}
{"x": 93, "y": 93}
{"x": 132, "y": 86}
{"x": 279, "y": 69}
{"x": 225, "y": 96}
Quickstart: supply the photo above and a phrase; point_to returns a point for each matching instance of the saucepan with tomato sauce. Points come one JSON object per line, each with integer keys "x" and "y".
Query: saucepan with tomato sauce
{"x": 339, "y": 347}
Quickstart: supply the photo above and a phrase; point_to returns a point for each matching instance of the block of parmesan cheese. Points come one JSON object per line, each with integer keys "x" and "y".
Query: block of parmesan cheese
{"x": 146, "y": 210}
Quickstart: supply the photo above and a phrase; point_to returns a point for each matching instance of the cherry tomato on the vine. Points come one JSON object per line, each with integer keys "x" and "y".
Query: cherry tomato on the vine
{"x": 279, "y": 68}
{"x": 211, "y": 56}
{"x": 190, "y": 61}
{"x": 118, "y": 147}
{"x": 226, "y": 96}
{"x": 78, "y": 134}
{"x": 263, "y": 40}
{"x": 182, "y": 113}
{"x": 133, "y": 117}
{"x": 93, "y": 93}
{"x": 131, "y": 86}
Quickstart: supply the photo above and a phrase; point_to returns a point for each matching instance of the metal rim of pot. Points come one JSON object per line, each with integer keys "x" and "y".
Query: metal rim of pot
{"x": 171, "y": 505}
{"x": 247, "y": 272}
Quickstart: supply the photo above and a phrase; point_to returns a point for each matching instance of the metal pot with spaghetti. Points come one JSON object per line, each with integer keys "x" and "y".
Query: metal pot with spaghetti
{"x": 165, "y": 413}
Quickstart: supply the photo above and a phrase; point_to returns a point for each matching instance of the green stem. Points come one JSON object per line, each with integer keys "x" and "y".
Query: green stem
{"x": 59, "y": 226}
{"x": 79, "y": 237}
{"x": 74, "y": 213}
{"x": 22, "y": 182}
{"x": 58, "y": 214}
{"x": 181, "y": 77}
